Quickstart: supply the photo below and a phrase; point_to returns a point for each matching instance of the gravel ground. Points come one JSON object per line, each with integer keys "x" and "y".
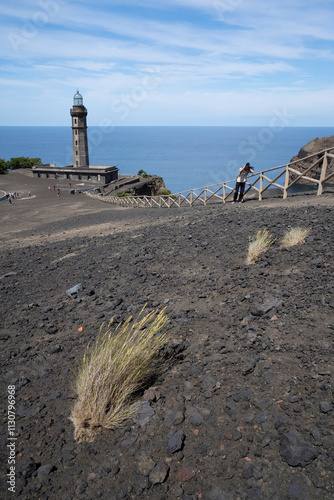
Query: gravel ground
{"x": 244, "y": 408}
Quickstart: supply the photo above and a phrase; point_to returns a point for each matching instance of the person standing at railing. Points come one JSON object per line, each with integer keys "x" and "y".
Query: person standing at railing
{"x": 241, "y": 182}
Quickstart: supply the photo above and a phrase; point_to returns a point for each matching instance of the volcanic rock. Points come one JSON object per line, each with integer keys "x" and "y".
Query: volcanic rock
{"x": 176, "y": 438}
{"x": 144, "y": 413}
{"x": 295, "y": 451}
{"x": 314, "y": 146}
{"x": 159, "y": 473}
{"x": 74, "y": 290}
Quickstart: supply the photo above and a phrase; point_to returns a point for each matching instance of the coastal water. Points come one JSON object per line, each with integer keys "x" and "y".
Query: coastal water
{"x": 186, "y": 157}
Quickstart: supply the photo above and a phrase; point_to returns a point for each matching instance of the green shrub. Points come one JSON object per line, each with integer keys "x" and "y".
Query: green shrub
{"x": 3, "y": 166}
{"x": 122, "y": 194}
{"x": 19, "y": 162}
{"x": 23, "y": 162}
{"x": 164, "y": 192}
{"x": 142, "y": 173}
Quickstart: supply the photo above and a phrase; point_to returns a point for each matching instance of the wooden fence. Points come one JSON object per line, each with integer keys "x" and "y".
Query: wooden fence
{"x": 259, "y": 183}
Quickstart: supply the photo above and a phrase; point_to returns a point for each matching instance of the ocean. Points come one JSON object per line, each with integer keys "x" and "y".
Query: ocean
{"x": 186, "y": 157}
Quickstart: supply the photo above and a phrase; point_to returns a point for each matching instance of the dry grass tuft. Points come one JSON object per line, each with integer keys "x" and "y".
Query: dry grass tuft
{"x": 294, "y": 236}
{"x": 117, "y": 366}
{"x": 258, "y": 246}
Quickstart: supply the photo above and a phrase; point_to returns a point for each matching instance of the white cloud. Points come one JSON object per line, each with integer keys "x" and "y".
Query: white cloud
{"x": 221, "y": 51}
{"x": 7, "y": 82}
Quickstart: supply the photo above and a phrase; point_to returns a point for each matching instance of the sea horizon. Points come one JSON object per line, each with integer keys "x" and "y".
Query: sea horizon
{"x": 173, "y": 126}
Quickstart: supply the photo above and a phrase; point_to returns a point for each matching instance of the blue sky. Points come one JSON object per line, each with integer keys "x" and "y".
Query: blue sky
{"x": 173, "y": 62}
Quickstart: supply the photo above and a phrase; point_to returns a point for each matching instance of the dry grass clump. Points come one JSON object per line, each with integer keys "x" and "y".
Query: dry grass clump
{"x": 259, "y": 245}
{"x": 117, "y": 366}
{"x": 294, "y": 236}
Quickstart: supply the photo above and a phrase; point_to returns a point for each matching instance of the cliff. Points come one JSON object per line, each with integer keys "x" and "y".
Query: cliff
{"x": 314, "y": 146}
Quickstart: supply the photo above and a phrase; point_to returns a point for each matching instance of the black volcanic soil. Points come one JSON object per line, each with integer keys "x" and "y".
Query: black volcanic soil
{"x": 246, "y": 409}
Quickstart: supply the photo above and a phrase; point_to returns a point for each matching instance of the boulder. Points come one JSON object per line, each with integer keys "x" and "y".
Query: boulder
{"x": 295, "y": 451}
{"x": 74, "y": 290}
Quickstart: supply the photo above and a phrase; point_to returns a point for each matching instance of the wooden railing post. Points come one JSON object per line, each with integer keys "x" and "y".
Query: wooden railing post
{"x": 286, "y": 183}
{"x": 205, "y": 195}
{"x": 322, "y": 175}
{"x": 191, "y": 198}
{"x": 261, "y": 186}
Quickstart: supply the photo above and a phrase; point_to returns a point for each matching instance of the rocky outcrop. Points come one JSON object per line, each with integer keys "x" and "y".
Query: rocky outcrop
{"x": 149, "y": 186}
{"x": 137, "y": 186}
{"x": 314, "y": 146}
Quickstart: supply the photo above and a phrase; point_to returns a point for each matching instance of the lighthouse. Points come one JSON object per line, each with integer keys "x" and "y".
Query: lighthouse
{"x": 81, "y": 170}
{"x": 79, "y": 132}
